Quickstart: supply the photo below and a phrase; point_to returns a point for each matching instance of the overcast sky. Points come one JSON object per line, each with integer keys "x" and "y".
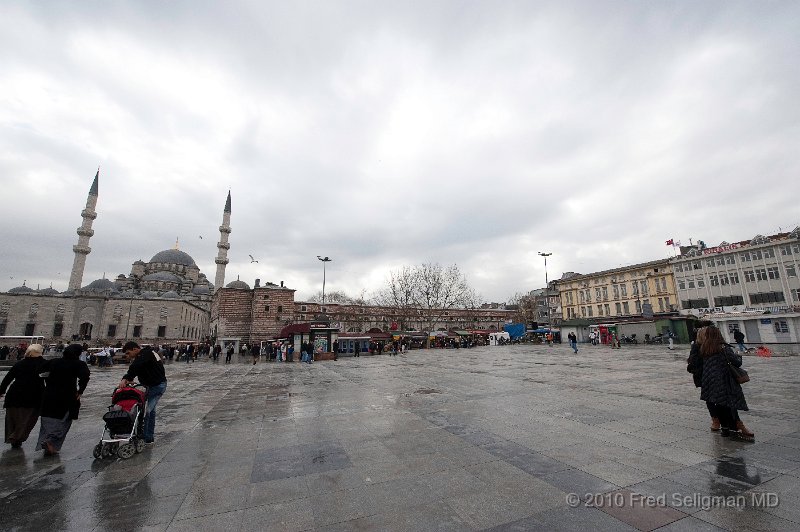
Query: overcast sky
{"x": 384, "y": 134}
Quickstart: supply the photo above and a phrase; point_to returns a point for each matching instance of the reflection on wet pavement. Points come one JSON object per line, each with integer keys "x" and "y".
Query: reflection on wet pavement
{"x": 487, "y": 438}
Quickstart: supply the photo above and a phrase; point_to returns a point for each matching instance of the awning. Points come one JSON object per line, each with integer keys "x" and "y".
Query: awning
{"x": 461, "y": 333}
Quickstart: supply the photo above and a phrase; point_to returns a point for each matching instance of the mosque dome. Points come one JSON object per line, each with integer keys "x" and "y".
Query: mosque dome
{"x": 171, "y": 295}
{"x": 99, "y": 285}
{"x": 22, "y": 290}
{"x": 162, "y": 276}
{"x": 239, "y": 285}
{"x": 201, "y": 290}
{"x": 173, "y": 256}
{"x": 49, "y": 291}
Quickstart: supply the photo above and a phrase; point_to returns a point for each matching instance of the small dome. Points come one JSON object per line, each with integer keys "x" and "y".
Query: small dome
{"x": 171, "y": 295}
{"x": 173, "y": 256}
{"x": 149, "y": 293}
{"x": 201, "y": 290}
{"x": 162, "y": 276}
{"x": 49, "y": 291}
{"x": 99, "y": 285}
{"x": 22, "y": 290}
{"x": 240, "y": 285}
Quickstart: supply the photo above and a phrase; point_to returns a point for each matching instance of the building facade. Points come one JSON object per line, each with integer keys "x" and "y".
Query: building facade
{"x": 642, "y": 294}
{"x": 751, "y": 285}
{"x": 244, "y": 314}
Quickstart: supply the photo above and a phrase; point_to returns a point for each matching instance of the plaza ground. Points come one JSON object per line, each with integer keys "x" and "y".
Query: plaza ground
{"x": 486, "y": 438}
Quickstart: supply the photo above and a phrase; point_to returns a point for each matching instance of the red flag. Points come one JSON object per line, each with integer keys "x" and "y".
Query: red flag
{"x": 671, "y": 242}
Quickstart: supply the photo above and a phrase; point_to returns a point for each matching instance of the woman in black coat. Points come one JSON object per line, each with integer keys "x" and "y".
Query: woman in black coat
{"x": 24, "y": 397}
{"x": 719, "y": 389}
{"x": 66, "y": 380}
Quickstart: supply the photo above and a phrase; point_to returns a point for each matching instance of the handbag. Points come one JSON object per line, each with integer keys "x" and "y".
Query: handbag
{"x": 738, "y": 374}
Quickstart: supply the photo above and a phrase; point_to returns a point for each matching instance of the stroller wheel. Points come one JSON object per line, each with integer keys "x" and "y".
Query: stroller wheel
{"x": 139, "y": 444}
{"x": 98, "y": 450}
{"x": 126, "y": 450}
{"x": 106, "y": 451}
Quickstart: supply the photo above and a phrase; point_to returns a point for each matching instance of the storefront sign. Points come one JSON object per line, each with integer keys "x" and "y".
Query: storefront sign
{"x": 721, "y": 249}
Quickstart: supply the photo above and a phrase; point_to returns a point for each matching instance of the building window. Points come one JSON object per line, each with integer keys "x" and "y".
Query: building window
{"x": 734, "y": 277}
{"x": 710, "y": 263}
{"x": 137, "y": 331}
{"x": 720, "y": 260}
{"x": 781, "y": 326}
{"x": 682, "y": 285}
{"x": 728, "y": 301}
{"x": 723, "y": 279}
{"x": 714, "y": 280}
{"x": 745, "y": 257}
{"x": 112, "y": 331}
{"x": 690, "y": 283}
{"x": 638, "y": 307}
{"x": 615, "y": 291}
{"x": 791, "y": 271}
{"x": 644, "y": 288}
{"x": 599, "y": 310}
{"x": 701, "y": 283}
{"x": 678, "y": 267}
{"x": 767, "y": 297}
{"x": 660, "y": 304}
{"x": 795, "y": 296}
{"x": 58, "y": 329}
{"x": 266, "y": 308}
{"x": 598, "y": 295}
{"x": 623, "y": 288}
{"x": 786, "y": 250}
{"x": 697, "y": 266}
{"x": 302, "y": 308}
{"x": 773, "y": 273}
{"x": 666, "y": 303}
{"x": 769, "y": 253}
{"x": 749, "y": 276}
{"x": 591, "y": 310}
{"x": 730, "y": 259}
{"x": 29, "y": 329}
{"x": 733, "y": 327}
{"x": 756, "y": 255}
{"x": 162, "y": 331}
{"x": 618, "y": 308}
{"x": 761, "y": 274}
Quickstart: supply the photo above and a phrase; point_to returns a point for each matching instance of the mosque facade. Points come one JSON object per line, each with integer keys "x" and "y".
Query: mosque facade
{"x": 164, "y": 300}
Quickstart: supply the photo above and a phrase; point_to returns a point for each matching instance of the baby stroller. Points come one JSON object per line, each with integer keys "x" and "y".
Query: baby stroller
{"x": 124, "y": 424}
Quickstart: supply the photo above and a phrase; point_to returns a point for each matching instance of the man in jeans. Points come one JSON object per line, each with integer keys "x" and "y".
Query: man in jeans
{"x": 149, "y": 368}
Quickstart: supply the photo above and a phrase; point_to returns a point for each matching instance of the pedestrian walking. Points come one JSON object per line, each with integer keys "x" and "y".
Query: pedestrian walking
{"x": 24, "y": 399}
{"x": 573, "y": 341}
{"x": 336, "y": 350}
{"x": 723, "y": 394}
{"x": 66, "y": 380}
{"x": 255, "y": 351}
{"x": 738, "y": 337}
{"x": 671, "y": 339}
{"x": 229, "y": 354}
{"x": 357, "y": 349}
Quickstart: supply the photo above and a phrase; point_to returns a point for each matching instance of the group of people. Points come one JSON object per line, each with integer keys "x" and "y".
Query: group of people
{"x": 710, "y": 362}
{"x": 49, "y": 391}
{"x": 35, "y": 388}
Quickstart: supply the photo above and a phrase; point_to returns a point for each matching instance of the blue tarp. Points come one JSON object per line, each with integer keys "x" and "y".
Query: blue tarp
{"x": 539, "y": 331}
{"x": 515, "y": 330}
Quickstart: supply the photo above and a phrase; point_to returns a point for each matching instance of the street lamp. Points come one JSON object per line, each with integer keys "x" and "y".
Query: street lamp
{"x": 547, "y": 292}
{"x": 324, "y": 260}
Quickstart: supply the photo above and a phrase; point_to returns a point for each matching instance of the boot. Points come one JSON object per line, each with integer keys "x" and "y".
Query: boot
{"x": 715, "y": 424}
{"x": 744, "y": 432}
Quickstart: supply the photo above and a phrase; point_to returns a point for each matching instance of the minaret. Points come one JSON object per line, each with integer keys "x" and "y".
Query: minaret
{"x": 85, "y": 232}
{"x": 222, "y": 245}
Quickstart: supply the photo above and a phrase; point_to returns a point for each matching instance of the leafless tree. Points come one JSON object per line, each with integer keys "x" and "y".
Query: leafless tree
{"x": 427, "y": 293}
{"x": 333, "y": 297}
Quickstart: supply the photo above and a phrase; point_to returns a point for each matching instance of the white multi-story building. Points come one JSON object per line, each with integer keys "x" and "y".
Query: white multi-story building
{"x": 751, "y": 285}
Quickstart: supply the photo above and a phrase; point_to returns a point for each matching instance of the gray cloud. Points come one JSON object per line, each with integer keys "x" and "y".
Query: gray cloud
{"x": 386, "y": 134}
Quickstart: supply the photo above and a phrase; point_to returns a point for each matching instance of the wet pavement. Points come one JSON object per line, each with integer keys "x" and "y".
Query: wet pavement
{"x": 488, "y": 438}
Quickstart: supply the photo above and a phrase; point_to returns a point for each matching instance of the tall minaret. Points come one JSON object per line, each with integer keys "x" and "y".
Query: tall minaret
{"x": 85, "y": 232}
{"x": 222, "y": 245}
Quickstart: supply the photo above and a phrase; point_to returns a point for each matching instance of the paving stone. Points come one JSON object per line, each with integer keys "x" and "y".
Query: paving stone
{"x": 354, "y": 445}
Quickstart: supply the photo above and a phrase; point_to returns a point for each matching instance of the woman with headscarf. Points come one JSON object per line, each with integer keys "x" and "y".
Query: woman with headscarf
{"x": 719, "y": 389}
{"x": 66, "y": 380}
{"x": 24, "y": 397}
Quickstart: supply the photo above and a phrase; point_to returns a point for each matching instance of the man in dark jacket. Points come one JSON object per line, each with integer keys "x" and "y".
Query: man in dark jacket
{"x": 149, "y": 369}
{"x": 738, "y": 337}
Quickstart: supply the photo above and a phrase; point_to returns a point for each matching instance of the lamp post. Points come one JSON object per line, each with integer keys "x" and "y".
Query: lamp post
{"x": 324, "y": 260}
{"x": 547, "y": 292}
